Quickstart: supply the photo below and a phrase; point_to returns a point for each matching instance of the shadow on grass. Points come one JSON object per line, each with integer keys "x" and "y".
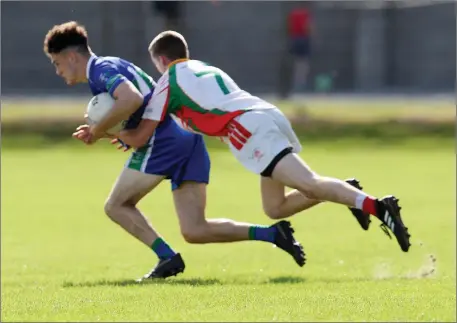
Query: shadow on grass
{"x": 187, "y": 281}
{"x": 329, "y": 280}
{"x": 294, "y": 280}
{"x": 132, "y": 282}
{"x": 286, "y": 280}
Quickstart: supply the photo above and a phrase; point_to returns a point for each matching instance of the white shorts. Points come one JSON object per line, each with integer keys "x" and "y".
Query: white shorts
{"x": 258, "y": 136}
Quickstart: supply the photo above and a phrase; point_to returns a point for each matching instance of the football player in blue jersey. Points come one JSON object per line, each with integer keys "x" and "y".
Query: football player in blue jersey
{"x": 171, "y": 153}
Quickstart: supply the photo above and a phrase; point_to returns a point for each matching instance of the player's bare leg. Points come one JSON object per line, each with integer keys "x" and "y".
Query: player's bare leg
{"x": 190, "y": 203}
{"x": 120, "y": 205}
{"x": 295, "y": 173}
{"x": 129, "y": 189}
{"x": 280, "y": 205}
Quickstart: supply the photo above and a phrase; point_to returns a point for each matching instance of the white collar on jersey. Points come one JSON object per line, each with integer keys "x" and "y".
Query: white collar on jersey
{"x": 89, "y": 63}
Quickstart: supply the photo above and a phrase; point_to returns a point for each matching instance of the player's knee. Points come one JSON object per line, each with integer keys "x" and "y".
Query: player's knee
{"x": 112, "y": 206}
{"x": 273, "y": 211}
{"x": 193, "y": 237}
{"x": 195, "y": 233}
{"x": 111, "y": 209}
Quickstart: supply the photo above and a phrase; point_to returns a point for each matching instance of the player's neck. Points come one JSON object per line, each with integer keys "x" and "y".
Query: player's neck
{"x": 170, "y": 63}
{"x": 84, "y": 68}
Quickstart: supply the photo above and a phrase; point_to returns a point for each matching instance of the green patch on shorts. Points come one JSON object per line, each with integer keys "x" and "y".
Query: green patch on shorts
{"x": 138, "y": 157}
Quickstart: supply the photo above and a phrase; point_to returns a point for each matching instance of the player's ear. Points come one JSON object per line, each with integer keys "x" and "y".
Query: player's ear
{"x": 163, "y": 60}
{"x": 71, "y": 57}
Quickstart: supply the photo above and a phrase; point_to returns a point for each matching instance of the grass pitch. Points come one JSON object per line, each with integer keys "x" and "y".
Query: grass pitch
{"x": 63, "y": 260}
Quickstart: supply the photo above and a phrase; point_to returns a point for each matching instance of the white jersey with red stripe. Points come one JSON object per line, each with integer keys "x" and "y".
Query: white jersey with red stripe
{"x": 204, "y": 97}
{"x": 206, "y": 100}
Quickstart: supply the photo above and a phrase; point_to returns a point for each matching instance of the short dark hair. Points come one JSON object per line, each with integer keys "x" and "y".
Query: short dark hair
{"x": 170, "y": 44}
{"x": 63, "y": 36}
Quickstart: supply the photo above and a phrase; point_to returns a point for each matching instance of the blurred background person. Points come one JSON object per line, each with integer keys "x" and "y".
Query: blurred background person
{"x": 170, "y": 10}
{"x": 299, "y": 33}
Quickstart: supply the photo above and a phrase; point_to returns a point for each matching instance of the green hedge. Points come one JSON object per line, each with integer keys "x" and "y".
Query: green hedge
{"x": 28, "y": 132}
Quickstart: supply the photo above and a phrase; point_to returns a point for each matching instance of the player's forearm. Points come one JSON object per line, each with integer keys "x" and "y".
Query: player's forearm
{"x": 139, "y": 136}
{"x": 131, "y": 138}
{"x": 122, "y": 110}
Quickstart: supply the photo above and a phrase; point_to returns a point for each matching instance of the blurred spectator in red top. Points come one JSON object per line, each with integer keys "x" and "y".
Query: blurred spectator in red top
{"x": 300, "y": 31}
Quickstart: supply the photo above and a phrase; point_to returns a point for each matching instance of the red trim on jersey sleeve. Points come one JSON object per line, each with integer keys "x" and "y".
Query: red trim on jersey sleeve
{"x": 165, "y": 106}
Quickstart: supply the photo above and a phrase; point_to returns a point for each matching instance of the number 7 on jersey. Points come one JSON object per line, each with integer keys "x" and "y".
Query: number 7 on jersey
{"x": 217, "y": 75}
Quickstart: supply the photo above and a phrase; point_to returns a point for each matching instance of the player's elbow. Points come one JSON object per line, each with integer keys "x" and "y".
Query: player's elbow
{"x": 132, "y": 100}
{"x": 137, "y": 100}
{"x": 129, "y": 95}
{"x": 128, "y": 102}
